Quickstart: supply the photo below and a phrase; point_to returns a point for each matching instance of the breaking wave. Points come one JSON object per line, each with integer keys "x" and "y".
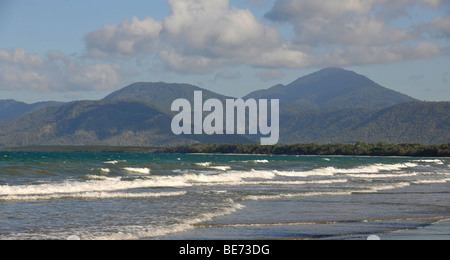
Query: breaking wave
{"x": 138, "y": 170}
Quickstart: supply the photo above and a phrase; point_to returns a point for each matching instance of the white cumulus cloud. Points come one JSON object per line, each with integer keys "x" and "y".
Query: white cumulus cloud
{"x": 198, "y": 36}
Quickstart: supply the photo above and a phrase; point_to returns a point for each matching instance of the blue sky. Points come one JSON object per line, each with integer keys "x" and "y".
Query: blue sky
{"x": 77, "y": 49}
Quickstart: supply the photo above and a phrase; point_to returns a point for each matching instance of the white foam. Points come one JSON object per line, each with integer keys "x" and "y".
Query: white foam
{"x": 295, "y": 182}
{"x": 330, "y": 171}
{"x": 105, "y": 170}
{"x": 297, "y": 195}
{"x": 260, "y": 161}
{"x": 208, "y": 165}
{"x": 111, "y": 162}
{"x": 381, "y": 176}
{"x": 231, "y": 177}
{"x": 256, "y": 161}
{"x": 432, "y": 181}
{"x": 436, "y": 161}
{"x": 220, "y": 168}
{"x": 100, "y": 184}
{"x": 91, "y": 195}
{"x": 204, "y": 164}
{"x": 375, "y": 189}
{"x": 138, "y": 170}
{"x": 152, "y": 231}
{"x": 375, "y": 168}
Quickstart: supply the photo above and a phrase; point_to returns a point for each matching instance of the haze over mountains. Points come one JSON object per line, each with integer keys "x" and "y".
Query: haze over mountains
{"x": 332, "y": 105}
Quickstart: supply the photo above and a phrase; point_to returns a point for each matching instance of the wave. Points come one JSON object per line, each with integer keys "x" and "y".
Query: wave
{"x": 375, "y": 168}
{"x": 231, "y": 177}
{"x": 99, "y": 184}
{"x": 220, "y": 168}
{"x": 208, "y": 165}
{"x": 114, "y": 162}
{"x": 153, "y": 231}
{"x": 102, "y": 170}
{"x": 138, "y": 170}
{"x": 331, "y": 171}
{"x": 296, "y": 195}
{"x": 295, "y": 182}
{"x": 373, "y": 189}
{"x": 381, "y": 176}
{"x": 96, "y": 183}
{"x": 436, "y": 161}
{"x": 90, "y": 195}
{"x": 257, "y": 161}
{"x": 432, "y": 181}
{"x": 204, "y": 164}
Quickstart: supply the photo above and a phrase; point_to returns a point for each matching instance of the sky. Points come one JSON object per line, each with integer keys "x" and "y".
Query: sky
{"x": 66, "y": 50}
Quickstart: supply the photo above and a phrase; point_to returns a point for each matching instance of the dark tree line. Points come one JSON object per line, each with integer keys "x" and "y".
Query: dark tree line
{"x": 358, "y": 149}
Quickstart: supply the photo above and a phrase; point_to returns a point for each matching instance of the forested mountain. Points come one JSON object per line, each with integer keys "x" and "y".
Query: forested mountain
{"x": 330, "y": 106}
{"x": 10, "y": 109}
{"x": 332, "y": 88}
{"x": 126, "y": 123}
{"x": 413, "y": 122}
{"x": 161, "y": 94}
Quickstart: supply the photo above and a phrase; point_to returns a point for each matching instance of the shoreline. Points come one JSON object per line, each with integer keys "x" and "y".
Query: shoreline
{"x": 151, "y": 150}
{"x": 439, "y": 230}
{"x": 368, "y": 217}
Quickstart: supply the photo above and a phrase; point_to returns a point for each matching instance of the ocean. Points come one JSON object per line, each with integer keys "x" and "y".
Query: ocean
{"x": 102, "y": 196}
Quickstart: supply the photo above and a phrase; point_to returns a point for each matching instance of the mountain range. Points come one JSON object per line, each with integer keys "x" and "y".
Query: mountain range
{"x": 332, "y": 105}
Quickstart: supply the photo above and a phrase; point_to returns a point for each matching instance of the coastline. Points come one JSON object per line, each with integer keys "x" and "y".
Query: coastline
{"x": 357, "y": 149}
{"x": 437, "y": 231}
{"x": 354, "y": 150}
{"x": 357, "y": 217}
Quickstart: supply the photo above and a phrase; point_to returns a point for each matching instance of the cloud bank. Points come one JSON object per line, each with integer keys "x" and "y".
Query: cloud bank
{"x": 198, "y": 36}
{"x": 201, "y": 35}
{"x": 55, "y": 72}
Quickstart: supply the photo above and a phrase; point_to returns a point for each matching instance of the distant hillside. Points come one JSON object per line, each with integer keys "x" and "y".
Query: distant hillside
{"x": 161, "y": 94}
{"x": 10, "y": 109}
{"x": 117, "y": 123}
{"x": 332, "y": 88}
{"x": 415, "y": 122}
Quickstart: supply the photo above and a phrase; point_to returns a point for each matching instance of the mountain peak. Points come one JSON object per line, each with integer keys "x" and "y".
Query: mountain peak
{"x": 333, "y": 88}
{"x": 160, "y": 93}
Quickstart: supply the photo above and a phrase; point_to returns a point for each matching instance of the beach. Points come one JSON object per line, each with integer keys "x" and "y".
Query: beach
{"x": 437, "y": 231}
{"x": 336, "y": 218}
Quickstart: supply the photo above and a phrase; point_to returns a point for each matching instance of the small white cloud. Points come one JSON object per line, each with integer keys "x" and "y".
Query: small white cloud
{"x": 127, "y": 39}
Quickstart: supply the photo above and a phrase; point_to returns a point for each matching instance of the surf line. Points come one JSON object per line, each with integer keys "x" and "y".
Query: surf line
{"x": 236, "y": 110}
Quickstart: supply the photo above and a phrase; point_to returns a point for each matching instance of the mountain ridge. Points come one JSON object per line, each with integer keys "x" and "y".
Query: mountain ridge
{"x": 166, "y": 93}
{"x": 10, "y": 108}
{"x": 332, "y": 88}
{"x": 139, "y": 115}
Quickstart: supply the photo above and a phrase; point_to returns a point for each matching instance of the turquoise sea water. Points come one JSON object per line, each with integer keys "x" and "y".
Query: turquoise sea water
{"x": 139, "y": 196}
